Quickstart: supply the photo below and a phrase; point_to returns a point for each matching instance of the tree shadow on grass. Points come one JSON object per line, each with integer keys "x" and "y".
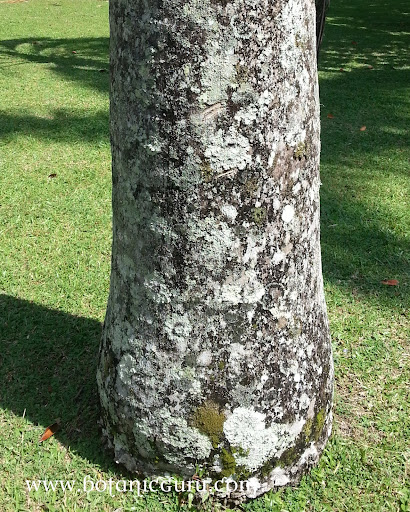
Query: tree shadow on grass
{"x": 364, "y": 84}
{"x": 359, "y": 249}
{"x": 59, "y": 125}
{"x": 83, "y": 60}
{"x": 362, "y": 211}
{"x": 88, "y": 67}
{"x": 48, "y": 364}
{"x": 363, "y": 31}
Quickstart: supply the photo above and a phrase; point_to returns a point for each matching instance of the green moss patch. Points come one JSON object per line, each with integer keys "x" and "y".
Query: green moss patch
{"x": 209, "y": 420}
{"x": 259, "y": 215}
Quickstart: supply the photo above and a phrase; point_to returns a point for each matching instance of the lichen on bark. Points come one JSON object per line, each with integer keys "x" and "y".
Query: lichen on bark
{"x": 215, "y": 349}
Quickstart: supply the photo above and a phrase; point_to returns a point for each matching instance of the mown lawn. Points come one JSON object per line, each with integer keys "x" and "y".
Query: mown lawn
{"x": 55, "y": 256}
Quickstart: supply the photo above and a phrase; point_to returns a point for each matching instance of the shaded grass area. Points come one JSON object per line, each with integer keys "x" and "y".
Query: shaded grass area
{"x": 364, "y": 83}
{"x": 49, "y": 358}
{"x": 55, "y": 253}
{"x": 72, "y": 59}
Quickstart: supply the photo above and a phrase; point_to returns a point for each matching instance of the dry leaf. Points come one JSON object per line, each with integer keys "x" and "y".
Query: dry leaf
{"x": 330, "y": 116}
{"x": 363, "y": 128}
{"x": 50, "y": 430}
{"x": 390, "y": 282}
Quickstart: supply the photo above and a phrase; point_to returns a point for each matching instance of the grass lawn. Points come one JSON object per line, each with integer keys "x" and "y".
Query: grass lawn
{"x": 55, "y": 257}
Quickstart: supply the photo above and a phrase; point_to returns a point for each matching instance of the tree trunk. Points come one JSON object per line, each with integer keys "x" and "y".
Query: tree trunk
{"x": 216, "y": 349}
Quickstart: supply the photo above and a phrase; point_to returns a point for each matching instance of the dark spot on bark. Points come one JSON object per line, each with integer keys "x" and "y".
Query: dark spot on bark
{"x": 222, "y": 3}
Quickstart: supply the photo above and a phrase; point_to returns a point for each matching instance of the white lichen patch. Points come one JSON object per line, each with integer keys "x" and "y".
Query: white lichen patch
{"x": 279, "y": 477}
{"x": 254, "y": 246}
{"x": 205, "y": 358}
{"x": 219, "y": 70}
{"x": 306, "y": 402}
{"x": 245, "y": 428}
{"x": 178, "y": 440}
{"x": 237, "y": 356}
{"x": 245, "y": 288}
{"x": 248, "y": 115}
{"x": 288, "y": 213}
{"x": 212, "y": 240}
{"x": 178, "y": 328}
{"x": 125, "y": 371}
{"x": 253, "y": 487}
{"x": 156, "y": 288}
{"x": 229, "y": 211}
{"x": 278, "y": 257}
{"x": 227, "y": 151}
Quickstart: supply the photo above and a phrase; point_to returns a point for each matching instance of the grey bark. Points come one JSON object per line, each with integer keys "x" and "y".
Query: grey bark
{"x": 215, "y": 349}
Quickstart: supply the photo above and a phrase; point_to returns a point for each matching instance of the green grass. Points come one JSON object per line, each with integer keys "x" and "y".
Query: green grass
{"x": 55, "y": 257}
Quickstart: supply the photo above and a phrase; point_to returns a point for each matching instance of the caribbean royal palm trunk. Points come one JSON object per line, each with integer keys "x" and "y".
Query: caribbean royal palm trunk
{"x": 215, "y": 351}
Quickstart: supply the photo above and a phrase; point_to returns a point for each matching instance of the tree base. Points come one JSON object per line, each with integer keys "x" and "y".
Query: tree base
{"x": 231, "y": 490}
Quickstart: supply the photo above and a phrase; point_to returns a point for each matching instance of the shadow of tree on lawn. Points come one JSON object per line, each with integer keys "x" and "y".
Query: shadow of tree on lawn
{"x": 82, "y": 60}
{"x": 59, "y": 125}
{"x": 47, "y": 368}
{"x": 364, "y": 80}
{"x": 88, "y": 67}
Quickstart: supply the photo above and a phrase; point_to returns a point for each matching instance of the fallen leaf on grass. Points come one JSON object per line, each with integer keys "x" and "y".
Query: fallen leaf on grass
{"x": 330, "y": 116}
{"x": 363, "y": 128}
{"x": 390, "y": 282}
{"x": 50, "y": 430}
